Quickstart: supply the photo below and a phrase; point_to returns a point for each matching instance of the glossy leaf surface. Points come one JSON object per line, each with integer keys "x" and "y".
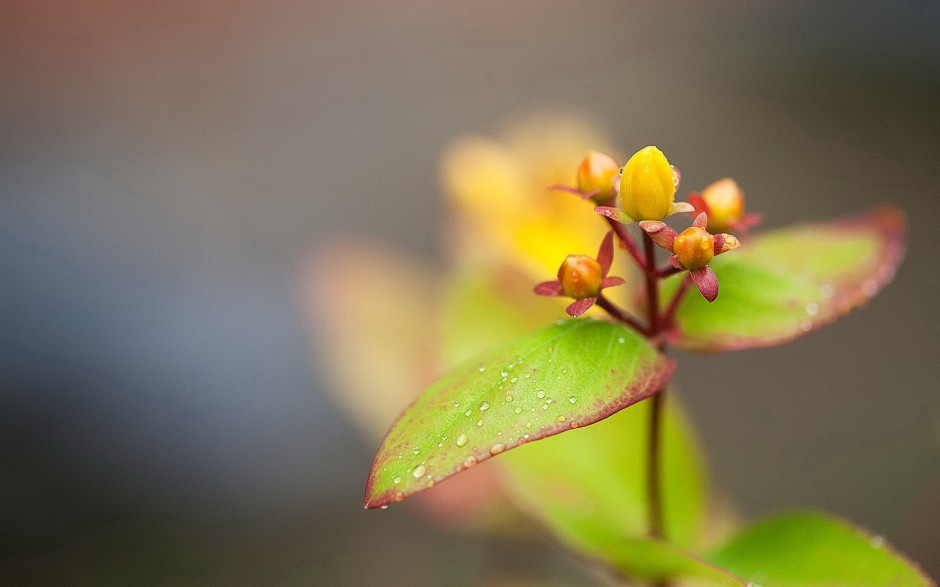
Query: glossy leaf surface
{"x": 788, "y": 282}
{"x": 570, "y": 374}
{"x": 811, "y": 550}
{"x": 589, "y": 486}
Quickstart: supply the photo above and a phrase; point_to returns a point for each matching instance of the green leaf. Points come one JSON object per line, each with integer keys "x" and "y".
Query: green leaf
{"x": 786, "y": 283}
{"x": 572, "y": 373}
{"x": 813, "y": 550}
{"x": 589, "y": 486}
{"x": 650, "y": 560}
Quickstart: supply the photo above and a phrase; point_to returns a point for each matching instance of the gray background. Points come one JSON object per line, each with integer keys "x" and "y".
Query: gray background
{"x": 166, "y": 168}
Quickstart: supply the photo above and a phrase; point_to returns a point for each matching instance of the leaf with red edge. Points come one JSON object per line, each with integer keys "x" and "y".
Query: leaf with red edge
{"x": 783, "y": 284}
{"x": 512, "y": 395}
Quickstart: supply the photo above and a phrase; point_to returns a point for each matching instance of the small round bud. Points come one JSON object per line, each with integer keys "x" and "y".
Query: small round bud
{"x": 596, "y": 173}
{"x": 647, "y": 185}
{"x": 694, "y": 247}
{"x": 725, "y": 202}
{"x": 580, "y": 276}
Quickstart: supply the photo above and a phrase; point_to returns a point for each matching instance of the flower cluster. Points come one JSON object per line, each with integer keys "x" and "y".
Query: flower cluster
{"x": 643, "y": 192}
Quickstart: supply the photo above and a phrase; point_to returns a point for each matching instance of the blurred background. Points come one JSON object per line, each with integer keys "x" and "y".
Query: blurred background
{"x": 167, "y": 170}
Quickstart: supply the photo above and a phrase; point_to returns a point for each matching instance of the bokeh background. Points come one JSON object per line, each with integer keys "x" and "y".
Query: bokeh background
{"x": 167, "y": 168}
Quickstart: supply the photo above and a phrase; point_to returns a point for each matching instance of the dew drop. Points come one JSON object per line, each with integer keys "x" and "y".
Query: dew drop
{"x": 505, "y": 374}
{"x": 479, "y": 422}
{"x": 621, "y": 340}
{"x": 540, "y": 394}
{"x": 562, "y": 419}
{"x": 497, "y": 448}
{"x": 396, "y": 480}
{"x": 482, "y": 368}
{"x": 812, "y": 309}
{"x": 572, "y": 399}
{"x": 469, "y": 461}
{"x": 513, "y": 380}
{"x": 467, "y": 412}
{"x": 806, "y": 325}
{"x": 416, "y": 450}
{"x": 526, "y": 436}
{"x": 877, "y": 541}
{"x": 518, "y": 410}
{"x": 440, "y": 444}
{"x": 574, "y": 425}
{"x": 384, "y": 507}
{"x": 484, "y": 406}
{"x": 827, "y": 290}
{"x": 527, "y": 375}
{"x": 456, "y": 404}
{"x": 419, "y": 471}
{"x": 549, "y": 401}
{"x": 462, "y": 440}
{"x": 399, "y": 496}
{"x": 509, "y": 398}
{"x": 545, "y": 407}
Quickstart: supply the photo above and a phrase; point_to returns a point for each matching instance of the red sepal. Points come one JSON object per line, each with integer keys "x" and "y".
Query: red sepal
{"x": 579, "y": 307}
{"x": 706, "y": 281}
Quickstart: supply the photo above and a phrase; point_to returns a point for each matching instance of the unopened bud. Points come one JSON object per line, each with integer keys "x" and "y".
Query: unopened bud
{"x": 725, "y": 202}
{"x": 694, "y": 248}
{"x": 580, "y": 276}
{"x": 647, "y": 185}
{"x": 596, "y": 174}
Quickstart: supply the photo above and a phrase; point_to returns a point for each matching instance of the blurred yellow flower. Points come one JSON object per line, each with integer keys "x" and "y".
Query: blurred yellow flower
{"x": 501, "y": 210}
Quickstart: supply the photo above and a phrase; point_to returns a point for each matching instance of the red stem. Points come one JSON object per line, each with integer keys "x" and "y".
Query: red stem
{"x": 670, "y": 313}
{"x": 626, "y": 239}
{"x": 620, "y": 314}
{"x": 653, "y": 473}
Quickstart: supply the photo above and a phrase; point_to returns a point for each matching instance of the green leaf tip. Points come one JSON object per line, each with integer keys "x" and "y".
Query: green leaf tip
{"x": 572, "y": 373}
{"x": 789, "y": 282}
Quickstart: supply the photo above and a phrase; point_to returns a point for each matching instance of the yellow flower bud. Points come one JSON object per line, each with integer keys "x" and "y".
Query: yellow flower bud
{"x": 580, "y": 276}
{"x": 647, "y": 186}
{"x": 694, "y": 248}
{"x": 596, "y": 173}
{"x": 725, "y": 202}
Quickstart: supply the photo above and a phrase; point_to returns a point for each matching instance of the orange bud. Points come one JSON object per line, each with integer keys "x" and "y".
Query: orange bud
{"x": 596, "y": 173}
{"x": 694, "y": 248}
{"x": 647, "y": 185}
{"x": 725, "y": 202}
{"x": 580, "y": 276}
